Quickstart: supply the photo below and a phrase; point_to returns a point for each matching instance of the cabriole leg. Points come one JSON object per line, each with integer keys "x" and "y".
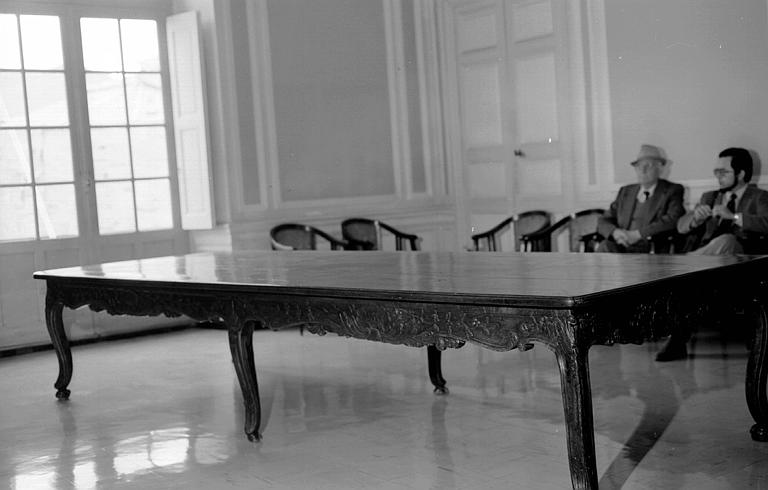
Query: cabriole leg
{"x": 241, "y": 347}
{"x": 577, "y": 403}
{"x": 757, "y": 374}
{"x": 53, "y": 322}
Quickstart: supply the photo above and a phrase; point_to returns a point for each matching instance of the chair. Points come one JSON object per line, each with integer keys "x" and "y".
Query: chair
{"x": 521, "y": 224}
{"x": 366, "y": 234}
{"x": 293, "y": 236}
{"x": 582, "y": 232}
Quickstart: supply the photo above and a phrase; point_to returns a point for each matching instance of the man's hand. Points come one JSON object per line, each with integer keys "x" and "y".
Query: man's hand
{"x": 701, "y": 212}
{"x": 633, "y": 236}
{"x": 620, "y": 236}
{"x": 721, "y": 210}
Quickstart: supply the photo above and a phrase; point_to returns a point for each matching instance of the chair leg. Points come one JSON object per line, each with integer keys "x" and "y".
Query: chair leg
{"x": 435, "y": 373}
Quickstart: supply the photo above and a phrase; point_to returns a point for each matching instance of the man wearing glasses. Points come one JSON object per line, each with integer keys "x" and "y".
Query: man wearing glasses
{"x": 723, "y": 219}
{"x": 722, "y": 222}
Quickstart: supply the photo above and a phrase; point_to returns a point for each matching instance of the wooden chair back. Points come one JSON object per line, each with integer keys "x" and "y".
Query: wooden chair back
{"x": 295, "y": 236}
{"x": 520, "y": 225}
{"x": 366, "y": 234}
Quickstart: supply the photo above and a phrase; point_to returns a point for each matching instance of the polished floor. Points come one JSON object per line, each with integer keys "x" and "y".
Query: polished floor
{"x": 164, "y": 411}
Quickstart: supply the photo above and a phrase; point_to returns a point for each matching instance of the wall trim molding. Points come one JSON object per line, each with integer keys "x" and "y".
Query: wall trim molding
{"x": 599, "y": 99}
{"x": 263, "y": 108}
{"x": 398, "y": 96}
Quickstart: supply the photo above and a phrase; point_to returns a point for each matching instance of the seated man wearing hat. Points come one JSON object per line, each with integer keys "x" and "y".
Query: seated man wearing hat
{"x": 643, "y": 210}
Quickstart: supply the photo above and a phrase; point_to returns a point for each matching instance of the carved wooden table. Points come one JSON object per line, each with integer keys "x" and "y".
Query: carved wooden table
{"x": 501, "y": 301}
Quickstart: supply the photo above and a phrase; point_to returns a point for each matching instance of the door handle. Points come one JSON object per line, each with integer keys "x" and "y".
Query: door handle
{"x": 519, "y": 153}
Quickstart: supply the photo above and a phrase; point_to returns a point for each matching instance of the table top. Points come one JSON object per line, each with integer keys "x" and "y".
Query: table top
{"x": 498, "y": 278}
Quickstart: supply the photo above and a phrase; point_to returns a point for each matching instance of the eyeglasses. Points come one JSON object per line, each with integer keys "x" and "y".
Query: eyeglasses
{"x": 721, "y": 172}
{"x": 644, "y": 164}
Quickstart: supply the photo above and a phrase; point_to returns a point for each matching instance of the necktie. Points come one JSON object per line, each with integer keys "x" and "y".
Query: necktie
{"x": 646, "y": 195}
{"x": 726, "y": 225}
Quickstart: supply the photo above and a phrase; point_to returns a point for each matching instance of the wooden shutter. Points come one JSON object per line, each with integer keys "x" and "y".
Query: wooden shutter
{"x": 190, "y": 130}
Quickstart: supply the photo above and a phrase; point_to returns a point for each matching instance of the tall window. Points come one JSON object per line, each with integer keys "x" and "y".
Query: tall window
{"x": 127, "y": 124}
{"x": 37, "y": 191}
{"x": 124, "y": 101}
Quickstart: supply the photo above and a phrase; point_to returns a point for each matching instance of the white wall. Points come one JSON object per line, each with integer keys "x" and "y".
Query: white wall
{"x": 690, "y": 76}
{"x": 331, "y": 99}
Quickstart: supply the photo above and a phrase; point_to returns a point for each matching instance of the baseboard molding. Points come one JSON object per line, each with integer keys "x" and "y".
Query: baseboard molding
{"x": 28, "y": 349}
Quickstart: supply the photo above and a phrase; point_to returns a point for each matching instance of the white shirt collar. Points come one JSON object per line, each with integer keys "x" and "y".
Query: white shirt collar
{"x": 641, "y": 192}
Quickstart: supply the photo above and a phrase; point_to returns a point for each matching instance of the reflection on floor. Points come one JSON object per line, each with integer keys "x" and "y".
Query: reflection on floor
{"x": 164, "y": 411}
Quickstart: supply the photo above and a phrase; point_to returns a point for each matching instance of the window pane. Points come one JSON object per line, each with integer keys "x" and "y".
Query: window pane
{"x": 140, "y": 51}
{"x": 12, "y": 98}
{"x": 101, "y": 44}
{"x": 114, "y": 204}
{"x": 57, "y": 211}
{"x": 41, "y": 42}
{"x": 150, "y": 158}
{"x": 47, "y": 98}
{"x": 17, "y": 221}
{"x": 106, "y": 102}
{"x": 145, "y": 99}
{"x": 9, "y": 39}
{"x": 14, "y": 157}
{"x": 153, "y": 204}
{"x": 111, "y": 158}
{"x": 52, "y": 155}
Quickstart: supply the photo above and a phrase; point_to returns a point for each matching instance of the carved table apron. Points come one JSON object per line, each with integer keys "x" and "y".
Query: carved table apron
{"x": 501, "y": 301}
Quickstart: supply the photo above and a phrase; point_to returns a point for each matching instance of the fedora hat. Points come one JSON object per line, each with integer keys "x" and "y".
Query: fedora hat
{"x": 650, "y": 151}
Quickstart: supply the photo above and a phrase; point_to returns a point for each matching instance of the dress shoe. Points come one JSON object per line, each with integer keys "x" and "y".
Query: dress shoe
{"x": 673, "y": 351}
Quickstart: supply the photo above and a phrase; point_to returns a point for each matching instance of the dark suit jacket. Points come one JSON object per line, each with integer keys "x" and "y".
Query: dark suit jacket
{"x": 665, "y": 208}
{"x": 753, "y": 207}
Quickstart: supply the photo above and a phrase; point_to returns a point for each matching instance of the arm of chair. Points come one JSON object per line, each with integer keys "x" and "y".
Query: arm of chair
{"x": 490, "y": 235}
{"x": 400, "y": 237}
{"x": 541, "y": 241}
{"x": 589, "y": 241}
{"x": 336, "y": 244}
{"x": 666, "y": 242}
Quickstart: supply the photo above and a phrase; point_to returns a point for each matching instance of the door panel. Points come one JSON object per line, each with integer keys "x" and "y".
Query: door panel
{"x": 487, "y": 180}
{"x": 476, "y": 30}
{"x": 542, "y": 178}
{"x": 531, "y": 20}
{"x": 480, "y": 103}
{"x": 536, "y": 98}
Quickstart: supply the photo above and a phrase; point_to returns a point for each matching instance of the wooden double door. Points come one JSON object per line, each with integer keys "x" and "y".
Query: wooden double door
{"x": 506, "y": 99}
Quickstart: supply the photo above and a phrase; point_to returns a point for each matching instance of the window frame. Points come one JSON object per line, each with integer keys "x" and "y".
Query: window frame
{"x": 74, "y": 72}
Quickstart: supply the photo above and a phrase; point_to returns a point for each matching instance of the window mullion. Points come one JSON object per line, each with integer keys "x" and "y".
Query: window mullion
{"x": 128, "y": 127}
{"x": 80, "y": 138}
{"x": 30, "y": 165}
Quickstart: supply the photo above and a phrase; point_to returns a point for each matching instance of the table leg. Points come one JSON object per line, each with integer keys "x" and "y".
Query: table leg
{"x": 577, "y": 402}
{"x": 757, "y": 375}
{"x": 53, "y": 322}
{"x": 241, "y": 347}
{"x": 435, "y": 372}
